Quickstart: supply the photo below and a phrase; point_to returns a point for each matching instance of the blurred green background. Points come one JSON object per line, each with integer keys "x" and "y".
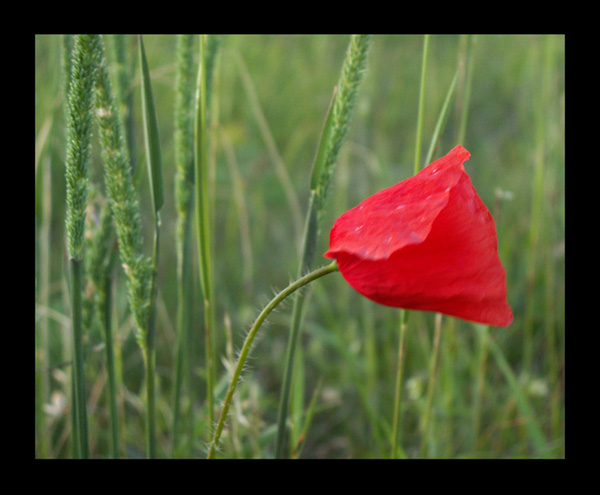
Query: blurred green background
{"x": 498, "y": 393}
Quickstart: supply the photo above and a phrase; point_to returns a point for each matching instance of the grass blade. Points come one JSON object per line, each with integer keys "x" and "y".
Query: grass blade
{"x": 184, "y": 183}
{"x": 203, "y": 220}
{"x": 466, "y": 70}
{"x": 441, "y": 122}
{"x": 417, "y": 164}
{"x": 151, "y": 137}
{"x": 154, "y": 159}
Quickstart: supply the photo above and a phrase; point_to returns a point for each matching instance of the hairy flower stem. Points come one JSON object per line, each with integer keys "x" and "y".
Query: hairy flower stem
{"x": 290, "y": 289}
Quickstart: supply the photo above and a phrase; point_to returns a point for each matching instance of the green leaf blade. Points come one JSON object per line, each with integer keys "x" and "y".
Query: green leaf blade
{"x": 151, "y": 137}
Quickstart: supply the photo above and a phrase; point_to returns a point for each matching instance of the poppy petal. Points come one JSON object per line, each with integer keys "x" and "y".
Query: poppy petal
{"x": 427, "y": 243}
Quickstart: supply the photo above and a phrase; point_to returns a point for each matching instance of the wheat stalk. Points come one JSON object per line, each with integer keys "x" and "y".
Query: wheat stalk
{"x": 79, "y": 132}
{"x": 123, "y": 201}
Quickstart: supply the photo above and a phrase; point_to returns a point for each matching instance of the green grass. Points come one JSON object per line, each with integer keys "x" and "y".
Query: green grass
{"x": 495, "y": 393}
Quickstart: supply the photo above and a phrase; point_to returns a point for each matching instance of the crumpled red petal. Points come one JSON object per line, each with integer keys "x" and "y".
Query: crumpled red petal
{"x": 428, "y": 243}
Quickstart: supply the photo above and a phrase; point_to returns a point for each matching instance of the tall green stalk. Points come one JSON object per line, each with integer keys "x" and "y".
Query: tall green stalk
{"x": 467, "y": 76}
{"x": 106, "y": 317}
{"x": 124, "y": 101}
{"x": 105, "y": 242}
{"x": 332, "y": 136}
{"x": 122, "y": 196}
{"x": 123, "y": 201}
{"x": 243, "y": 355}
{"x": 483, "y": 336}
{"x": 184, "y": 183}
{"x": 203, "y": 219}
{"x": 441, "y": 122}
{"x": 79, "y": 393}
{"x": 79, "y": 130}
{"x": 100, "y": 260}
{"x": 398, "y": 390}
{"x": 431, "y": 384}
{"x": 191, "y": 142}
{"x": 417, "y": 164}
{"x": 154, "y": 160}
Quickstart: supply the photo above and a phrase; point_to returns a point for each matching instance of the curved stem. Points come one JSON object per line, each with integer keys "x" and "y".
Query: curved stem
{"x": 290, "y": 289}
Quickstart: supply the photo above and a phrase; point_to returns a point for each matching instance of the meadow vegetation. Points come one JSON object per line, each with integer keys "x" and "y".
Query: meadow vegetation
{"x": 465, "y": 390}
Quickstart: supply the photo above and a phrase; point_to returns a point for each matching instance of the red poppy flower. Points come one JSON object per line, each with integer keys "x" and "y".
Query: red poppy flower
{"x": 428, "y": 243}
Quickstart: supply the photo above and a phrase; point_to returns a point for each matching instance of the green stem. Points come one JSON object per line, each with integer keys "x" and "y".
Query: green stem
{"x": 184, "y": 158}
{"x": 417, "y": 164}
{"x": 466, "y": 91}
{"x": 439, "y": 126}
{"x": 150, "y": 403}
{"x": 203, "y": 221}
{"x": 78, "y": 362}
{"x": 290, "y": 289}
{"x": 151, "y": 353}
{"x": 284, "y": 400}
{"x": 183, "y": 323}
{"x": 482, "y": 333}
{"x": 398, "y": 392}
{"x": 110, "y": 356}
{"x": 431, "y": 385}
{"x": 154, "y": 161}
